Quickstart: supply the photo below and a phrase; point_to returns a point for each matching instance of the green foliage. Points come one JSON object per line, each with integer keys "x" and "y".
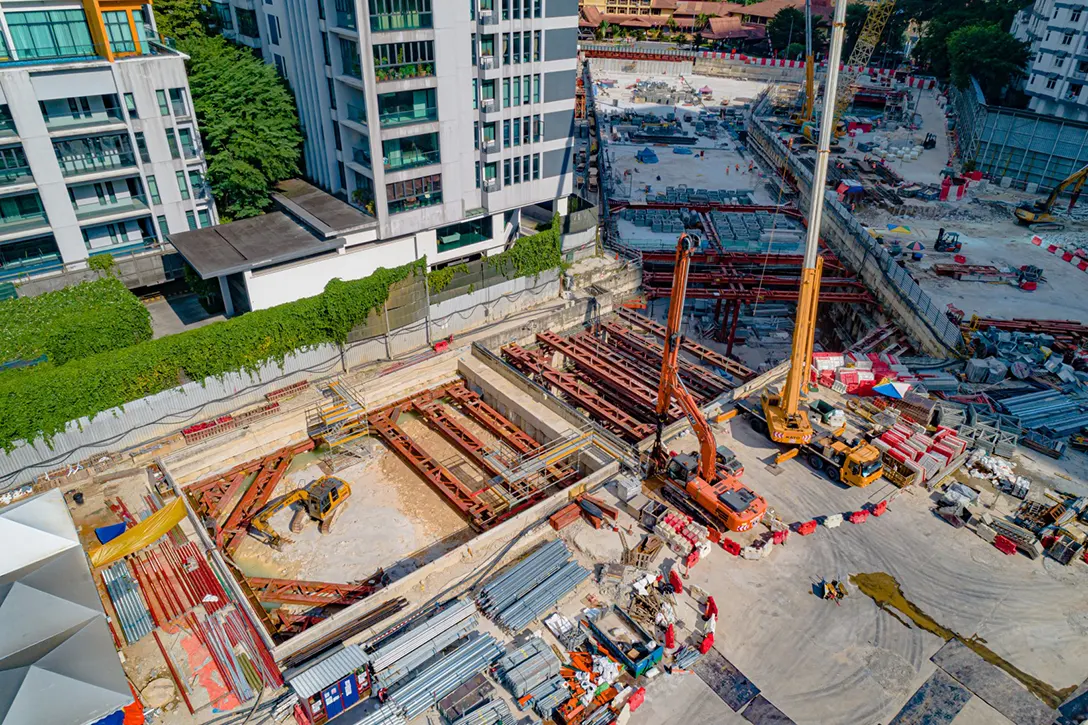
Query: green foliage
{"x": 529, "y": 256}
{"x": 40, "y": 401}
{"x": 795, "y": 51}
{"x": 787, "y": 26}
{"x": 988, "y": 53}
{"x": 941, "y": 19}
{"x": 181, "y": 19}
{"x": 72, "y": 323}
{"x": 439, "y": 279}
{"x": 249, "y": 123}
{"x": 102, "y": 263}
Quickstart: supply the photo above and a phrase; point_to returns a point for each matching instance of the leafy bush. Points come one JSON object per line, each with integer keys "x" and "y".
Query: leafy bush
{"x": 439, "y": 279}
{"x": 72, "y": 323}
{"x": 40, "y": 401}
{"x": 529, "y": 256}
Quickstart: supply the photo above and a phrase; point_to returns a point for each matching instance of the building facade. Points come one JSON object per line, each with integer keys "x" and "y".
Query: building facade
{"x": 442, "y": 120}
{"x": 1058, "y": 72}
{"x": 99, "y": 146}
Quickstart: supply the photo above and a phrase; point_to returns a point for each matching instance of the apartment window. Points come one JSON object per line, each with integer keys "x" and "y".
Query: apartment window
{"x": 273, "y": 30}
{"x": 164, "y": 228}
{"x": 164, "y": 107}
{"x": 141, "y": 146}
{"x": 526, "y": 46}
{"x": 395, "y": 61}
{"x": 473, "y": 45}
{"x": 476, "y": 135}
{"x": 1059, "y": 62}
{"x": 517, "y": 170}
{"x": 477, "y": 163}
{"x": 98, "y": 153}
{"x": 413, "y": 194}
{"x": 536, "y": 88}
{"x": 475, "y": 94}
{"x": 205, "y": 218}
{"x": 1082, "y": 67}
{"x": 410, "y": 152}
{"x": 221, "y": 11}
{"x": 537, "y": 128}
{"x": 349, "y": 58}
{"x": 525, "y": 130}
{"x": 517, "y": 47}
{"x": 332, "y": 93}
{"x": 536, "y": 167}
{"x": 183, "y": 184}
{"x": 1074, "y": 16}
{"x": 491, "y": 172}
{"x": 506, "y": 172}
{"x": 118, "y": 31}
{"x": 505, "y": 92}
{"x": 336, "y": 137}
{"x": 172, "y": 142}
{"x": 130, "y": 105}
{"x": 247, "y": 23}
{"x": 536, "y": 8}
{"x": 1067, "y": 38}
{"x": 1050, "y": 83}
{"x": 153, "y": 190}
{"x": 537, "y": 43}
{"x": 280, "y": 63}
{"x": 517, "y": 9}
{"x": 386, "y": 15}
{"x": 321, "y": 16}
{"x": 196, "y": 180}
{"x": 516, "y": 90}
{"x": 188, "y": 145}
{"x": 472, "y": 16}
{"x": 325, "y": 48}
{"x": 525, "y": 90}
{"x": 516, "y": 124}
{"x": 505, "y": 9}
{"x": 190, "y": 219}
{"x": 50, "y": 34}
{"x": 487, "y": 92}
{"x": 1074, "y": 91}
{"x": 506, "y": 134}
{"x": 506, "y": 49}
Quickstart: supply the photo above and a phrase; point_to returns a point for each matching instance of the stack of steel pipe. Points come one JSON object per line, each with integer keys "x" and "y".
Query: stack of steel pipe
{"x": 124, "y": 592}
{"x": 542, "y": 596}
{"x": 420, "y": 633}
{"x": 475, "y": 654}
{"x": 549, "y": 696}
{"x": 387, "y": 714}
{"x": 493, "y": 712}
{"x": 685, "y": 657}
{"x": 403, "y": 667}
{"x": 531, "y": 672}
{"x": 506, "y": 588}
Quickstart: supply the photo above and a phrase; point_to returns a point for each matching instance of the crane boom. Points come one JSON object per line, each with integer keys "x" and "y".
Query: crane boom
{"x": 810, "y": 68}
{"x": 871, "y": 30}
{"x": 786, "y": 422}
{"x": 671, "y": 388}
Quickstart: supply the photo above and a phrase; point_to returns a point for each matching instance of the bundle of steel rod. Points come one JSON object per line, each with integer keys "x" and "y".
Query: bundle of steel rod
{"x": 445, "y": 674}
{"x": 493, "y": 712}
{"x": 397, "y": 658}
{"x": 124, "y": 593}
{"x": 241, "y": 634}
{"x": 525, "y": 591}
{"x": 685, "y": 657}
{"x": 176, "y": 579}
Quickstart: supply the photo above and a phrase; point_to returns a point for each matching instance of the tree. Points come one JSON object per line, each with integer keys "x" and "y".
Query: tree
{"x": 795, "y": 51}
{"x": 181, "y": 19}
{"x": 786, "y": 26}
{"x": 249, "y": 123}
{"x": 856, "y": 14}
{"x": 603, "y": 30}
{"x": 985, "y": 51}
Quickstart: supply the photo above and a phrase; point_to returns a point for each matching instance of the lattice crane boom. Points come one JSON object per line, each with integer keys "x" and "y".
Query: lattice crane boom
{"x": 879, "y": 13}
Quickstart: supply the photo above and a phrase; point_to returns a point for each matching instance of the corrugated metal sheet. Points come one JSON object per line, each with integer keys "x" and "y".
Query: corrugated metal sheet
{"x": 311, "y": 679}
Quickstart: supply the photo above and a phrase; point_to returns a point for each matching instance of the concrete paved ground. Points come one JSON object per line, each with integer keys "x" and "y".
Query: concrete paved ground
{"x": 177, "y": 314}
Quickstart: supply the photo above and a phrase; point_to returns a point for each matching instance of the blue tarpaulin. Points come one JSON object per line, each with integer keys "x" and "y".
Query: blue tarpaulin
{"x": 109, "y": 533}
{"x": 647, "y": 156}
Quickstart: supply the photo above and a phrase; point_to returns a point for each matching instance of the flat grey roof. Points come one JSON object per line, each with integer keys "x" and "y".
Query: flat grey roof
{"x": 248, "y": 244}
{"x": 327, "y": 215}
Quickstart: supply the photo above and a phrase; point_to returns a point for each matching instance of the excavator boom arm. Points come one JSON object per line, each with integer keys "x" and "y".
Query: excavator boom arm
{"x": 1076, "y": 180}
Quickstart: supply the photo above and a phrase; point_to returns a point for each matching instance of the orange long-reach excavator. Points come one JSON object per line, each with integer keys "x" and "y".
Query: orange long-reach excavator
{"x": 713, "y": 488}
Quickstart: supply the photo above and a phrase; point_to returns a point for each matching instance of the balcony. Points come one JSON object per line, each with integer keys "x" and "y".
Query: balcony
{"x": 411, "y": 158}
{"x": 403, "y": 72}
{"x": 7, "y": 126}
{"x": 96, "y": 162}
{"x": 132, "y": 204}
{"x": 355, "y": 114}
{"x": 346, "y": 19}
{"x": 393, "y": 22}
{"x": 491, "y": 185}
{"x": 17, "y": 225}
{"x": 489, "y": 145}
{"x": 399, "y": 206}
{"x": 487, "y": 62}
{"x": 57, "y": 122}
{"x": 15, "y": 175}
{"x": 489, "y": 105}
{"x": 408, "y": 116}
{"x": 361, "y": 156}
{"x": 126, "y": 247}
{"x": 21, "y": 259}
{"x": 488, "y": 18}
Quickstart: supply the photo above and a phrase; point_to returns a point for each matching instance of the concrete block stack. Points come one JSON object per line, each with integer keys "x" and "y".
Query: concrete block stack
{"x": 682, "y": 534}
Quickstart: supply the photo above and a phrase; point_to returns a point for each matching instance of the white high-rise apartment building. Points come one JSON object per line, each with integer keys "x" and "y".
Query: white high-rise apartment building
{"x": 1058, "y": 72}
{"x": 99, "y": 147}
{"x": 440, "y": 119}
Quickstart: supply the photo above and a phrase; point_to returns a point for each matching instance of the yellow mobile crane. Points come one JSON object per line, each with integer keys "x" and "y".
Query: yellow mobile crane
{"x": 875, "y": 21}
{"x": 1040, "y": 211}
{"x": 779, "y": 414}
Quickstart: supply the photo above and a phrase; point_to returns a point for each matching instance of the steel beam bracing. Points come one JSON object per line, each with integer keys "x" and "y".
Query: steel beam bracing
{"x": 599, "y": 347}
{"x": 748, "y": 281}
{"x": 433, "y": 472}
{"x": 601, "y": 370}
{"x": 296, "y": 591}
{"x": 753, "y": 296}
{"x": 697, "y": 377}
{"x": 729, "y": 260}
{"x": 607, "y": 414}
{"x": 701, "y": 352}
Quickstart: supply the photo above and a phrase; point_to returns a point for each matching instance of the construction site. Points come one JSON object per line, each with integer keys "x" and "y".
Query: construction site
{"x": 773, "y": 455}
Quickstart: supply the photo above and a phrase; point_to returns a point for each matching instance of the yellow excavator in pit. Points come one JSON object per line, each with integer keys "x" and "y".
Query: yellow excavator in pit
{"x": 1040, "y": 212}
{"x": 779, "y": 414}
{"x": 323, "y": 501}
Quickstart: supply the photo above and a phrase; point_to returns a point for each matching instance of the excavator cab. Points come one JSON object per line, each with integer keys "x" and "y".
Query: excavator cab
{"x": 325, "y": 495}
{"x": 683, "y": 468}
{"x": 323, "y": 501}
{"x": 728, "y": 463}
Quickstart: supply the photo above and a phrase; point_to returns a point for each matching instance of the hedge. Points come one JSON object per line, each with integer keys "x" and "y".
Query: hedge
{"x": 529, "y": 256}
{"x": 40, "y": 401}
{"x": 72, "y": 323}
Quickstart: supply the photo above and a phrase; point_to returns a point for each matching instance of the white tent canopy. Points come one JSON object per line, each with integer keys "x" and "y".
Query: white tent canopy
{"x": 57, "y": 660}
